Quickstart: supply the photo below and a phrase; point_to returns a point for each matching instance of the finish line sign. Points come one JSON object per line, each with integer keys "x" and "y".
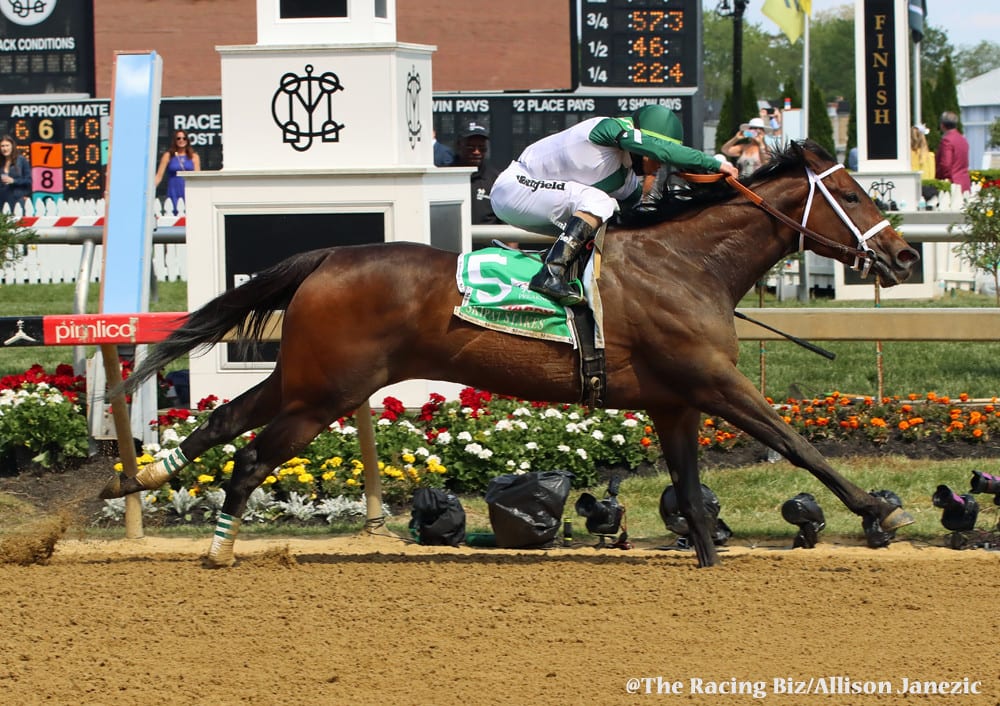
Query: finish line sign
{"x": 87, "y": 329}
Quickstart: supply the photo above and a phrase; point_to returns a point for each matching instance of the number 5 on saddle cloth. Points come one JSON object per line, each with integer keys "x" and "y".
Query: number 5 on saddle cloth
{"x": 494, "y": 285}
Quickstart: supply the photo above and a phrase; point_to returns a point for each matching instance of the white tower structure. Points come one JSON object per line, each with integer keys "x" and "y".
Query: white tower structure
{"x": 328, "y": 133}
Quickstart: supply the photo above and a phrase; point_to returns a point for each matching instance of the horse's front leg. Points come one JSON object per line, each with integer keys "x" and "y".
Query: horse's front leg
{"x": 678, "y": 434}
{"x": 735, "y": 399}
{"x": 248, "y": 411}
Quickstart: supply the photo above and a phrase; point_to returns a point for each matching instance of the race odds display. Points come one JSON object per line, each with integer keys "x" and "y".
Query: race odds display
{"x": 639, "y": 43}
{"x": 66, "y": 144}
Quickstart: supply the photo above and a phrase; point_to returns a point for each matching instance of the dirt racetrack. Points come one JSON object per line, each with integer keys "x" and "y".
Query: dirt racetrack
{"x": 374, "y": 620}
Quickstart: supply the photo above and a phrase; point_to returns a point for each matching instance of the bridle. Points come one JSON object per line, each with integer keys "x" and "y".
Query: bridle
{"x": 864, "y": 256}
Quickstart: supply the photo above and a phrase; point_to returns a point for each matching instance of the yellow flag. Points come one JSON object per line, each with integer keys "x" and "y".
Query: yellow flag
{"x": 789, "y": 15}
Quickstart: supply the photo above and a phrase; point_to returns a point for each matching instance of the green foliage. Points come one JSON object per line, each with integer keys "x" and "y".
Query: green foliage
{"x": 40, "y": 419}
{"x": 946, "y": 91}
{"x": 995, "y": 133}
{"x": 977, "y": 60}
{"x": 820, "y": 127}
{"x": 981, "y": 244}
{"x": 13, "y": 239}
{"x": 790, "y": 89}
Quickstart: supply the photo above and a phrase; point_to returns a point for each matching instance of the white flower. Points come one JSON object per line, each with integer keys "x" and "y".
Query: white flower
{"x": 524, "y": 467}
{"x": 563, "y": 448}
{"x": 464, "y": 436}
{"x": 443, "y": 438}
{"x": 421, "y": 451}
{"x": 228, "y": 449}
{"x": 466, "y": 411}
{"x": 598, "y": 434}
{"x": 618, "y": 439}
{"x": 383, "y": 422}
{"x": 510, "y": 463}
{"x": 572, "y": 428}
{"x": 348, "y": 430}
{"x": 574, "y": 416}
{"x": 504, "y": 425}
{"x": 630, "y": 423}
{"x": 473, "y": 448}
{"x": 531, "y": 446}
{"x": 522, "y": 412}
{"x": 582, "y": 453}
{"x": 169, "y": 436}
{"x": 552, "y": 412}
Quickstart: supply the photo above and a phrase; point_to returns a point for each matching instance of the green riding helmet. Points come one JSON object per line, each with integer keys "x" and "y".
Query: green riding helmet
{"x": 660, "y": 120}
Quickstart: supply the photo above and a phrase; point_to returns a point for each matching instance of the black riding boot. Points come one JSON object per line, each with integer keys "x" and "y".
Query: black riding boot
{"x": 551, "y": 279}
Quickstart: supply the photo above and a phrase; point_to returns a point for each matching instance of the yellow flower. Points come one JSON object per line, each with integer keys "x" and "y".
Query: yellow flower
{"x": 227, "y": 468}
{"x": 351, "y": 482}
{"x": 270, "y": 480}
{"x": 329, "y": 475}
{"x": 205, "y": 478}
{"x": 989, "y": 213}
{"x": 409, "y": 458}
{"x": 305, "y": 478}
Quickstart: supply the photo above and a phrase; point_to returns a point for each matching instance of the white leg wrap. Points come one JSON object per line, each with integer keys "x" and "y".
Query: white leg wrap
{"x": 221, "y": 551}
{"x": 156, "y": 474}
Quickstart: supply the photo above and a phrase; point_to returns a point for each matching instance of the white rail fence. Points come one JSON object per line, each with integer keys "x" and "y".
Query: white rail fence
{"x": 71, "y": 232}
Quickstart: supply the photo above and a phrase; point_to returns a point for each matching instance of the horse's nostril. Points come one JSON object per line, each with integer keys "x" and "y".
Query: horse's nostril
{"x": 907, "y": 256}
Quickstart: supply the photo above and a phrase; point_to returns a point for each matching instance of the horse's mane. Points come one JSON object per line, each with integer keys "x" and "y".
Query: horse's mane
{"x": 689, "y": 196}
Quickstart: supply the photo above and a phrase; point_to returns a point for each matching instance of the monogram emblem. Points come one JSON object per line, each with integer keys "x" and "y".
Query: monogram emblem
{"x": 412, "y": 100}
{"x": 303, "y": 108}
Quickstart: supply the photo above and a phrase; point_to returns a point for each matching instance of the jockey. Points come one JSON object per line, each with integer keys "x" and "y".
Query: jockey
{"x": 570, "y": 183}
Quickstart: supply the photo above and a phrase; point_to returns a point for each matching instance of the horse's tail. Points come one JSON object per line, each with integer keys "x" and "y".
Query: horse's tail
{"x": 245, "y": 310}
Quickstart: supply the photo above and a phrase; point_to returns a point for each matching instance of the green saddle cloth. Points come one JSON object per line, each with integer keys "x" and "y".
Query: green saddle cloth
{"x": 494, "y": 284}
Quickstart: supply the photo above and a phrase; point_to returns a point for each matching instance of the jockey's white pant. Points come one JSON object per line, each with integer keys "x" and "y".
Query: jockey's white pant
{"x": 545, "y": 205}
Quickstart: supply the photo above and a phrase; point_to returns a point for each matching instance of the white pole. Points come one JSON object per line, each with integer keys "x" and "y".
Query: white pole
{"x": 805, "y": 77}
{"x": 916, "y": 84}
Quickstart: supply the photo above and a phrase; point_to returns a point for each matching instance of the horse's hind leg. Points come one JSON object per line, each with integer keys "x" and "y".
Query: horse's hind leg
{"x": 289, "y": 433}
{"x": 678, "y": 434}
{"x": 248, "y": 411}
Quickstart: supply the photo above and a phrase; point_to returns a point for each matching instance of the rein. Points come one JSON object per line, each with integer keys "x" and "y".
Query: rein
{"x": 863, "y": 256}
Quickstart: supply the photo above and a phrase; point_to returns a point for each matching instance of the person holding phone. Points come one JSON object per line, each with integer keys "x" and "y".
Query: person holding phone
{"x": 748, "y": 147}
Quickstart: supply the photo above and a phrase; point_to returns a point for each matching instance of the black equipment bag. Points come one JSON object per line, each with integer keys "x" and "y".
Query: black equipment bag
{"x": 526, "y": 510}
{"x": 437, "y": 517}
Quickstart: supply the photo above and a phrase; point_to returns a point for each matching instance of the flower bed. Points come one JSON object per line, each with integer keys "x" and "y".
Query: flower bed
{"x": 464, "y": 443}
{"x": 41, "y": 418}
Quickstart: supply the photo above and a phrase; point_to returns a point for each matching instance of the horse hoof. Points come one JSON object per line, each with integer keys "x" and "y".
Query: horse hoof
{"x": 210, "y": 563}
{"x": 896, "y": 519}
{"x": 112, "y": 489}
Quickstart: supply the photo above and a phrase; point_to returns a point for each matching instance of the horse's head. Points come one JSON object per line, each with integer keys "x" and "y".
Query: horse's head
{"x": 838, "y": 208}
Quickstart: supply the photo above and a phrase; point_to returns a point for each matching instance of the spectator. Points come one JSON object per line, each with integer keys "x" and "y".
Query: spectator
{"x": 748, "y": 147}
{"x": 15, "y": 175}
{"x": 179, "y": 157}
{"x": 473, "y": 143}
{"x": 921, "y": 158}
{"x": 952, "y": 157}
{"x": 852, "y": 159}
{"x": 575, "y": 180}
{"x": 443, "y": 156}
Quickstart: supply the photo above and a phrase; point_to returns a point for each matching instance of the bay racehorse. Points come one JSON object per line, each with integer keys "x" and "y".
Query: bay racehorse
{"x": 359, "y": 318}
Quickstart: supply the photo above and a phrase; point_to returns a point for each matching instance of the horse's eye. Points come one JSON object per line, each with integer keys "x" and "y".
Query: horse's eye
{"x": 851, "y": 197}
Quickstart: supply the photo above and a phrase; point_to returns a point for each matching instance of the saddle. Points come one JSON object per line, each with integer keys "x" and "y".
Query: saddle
{"x": 515, "y": 309}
